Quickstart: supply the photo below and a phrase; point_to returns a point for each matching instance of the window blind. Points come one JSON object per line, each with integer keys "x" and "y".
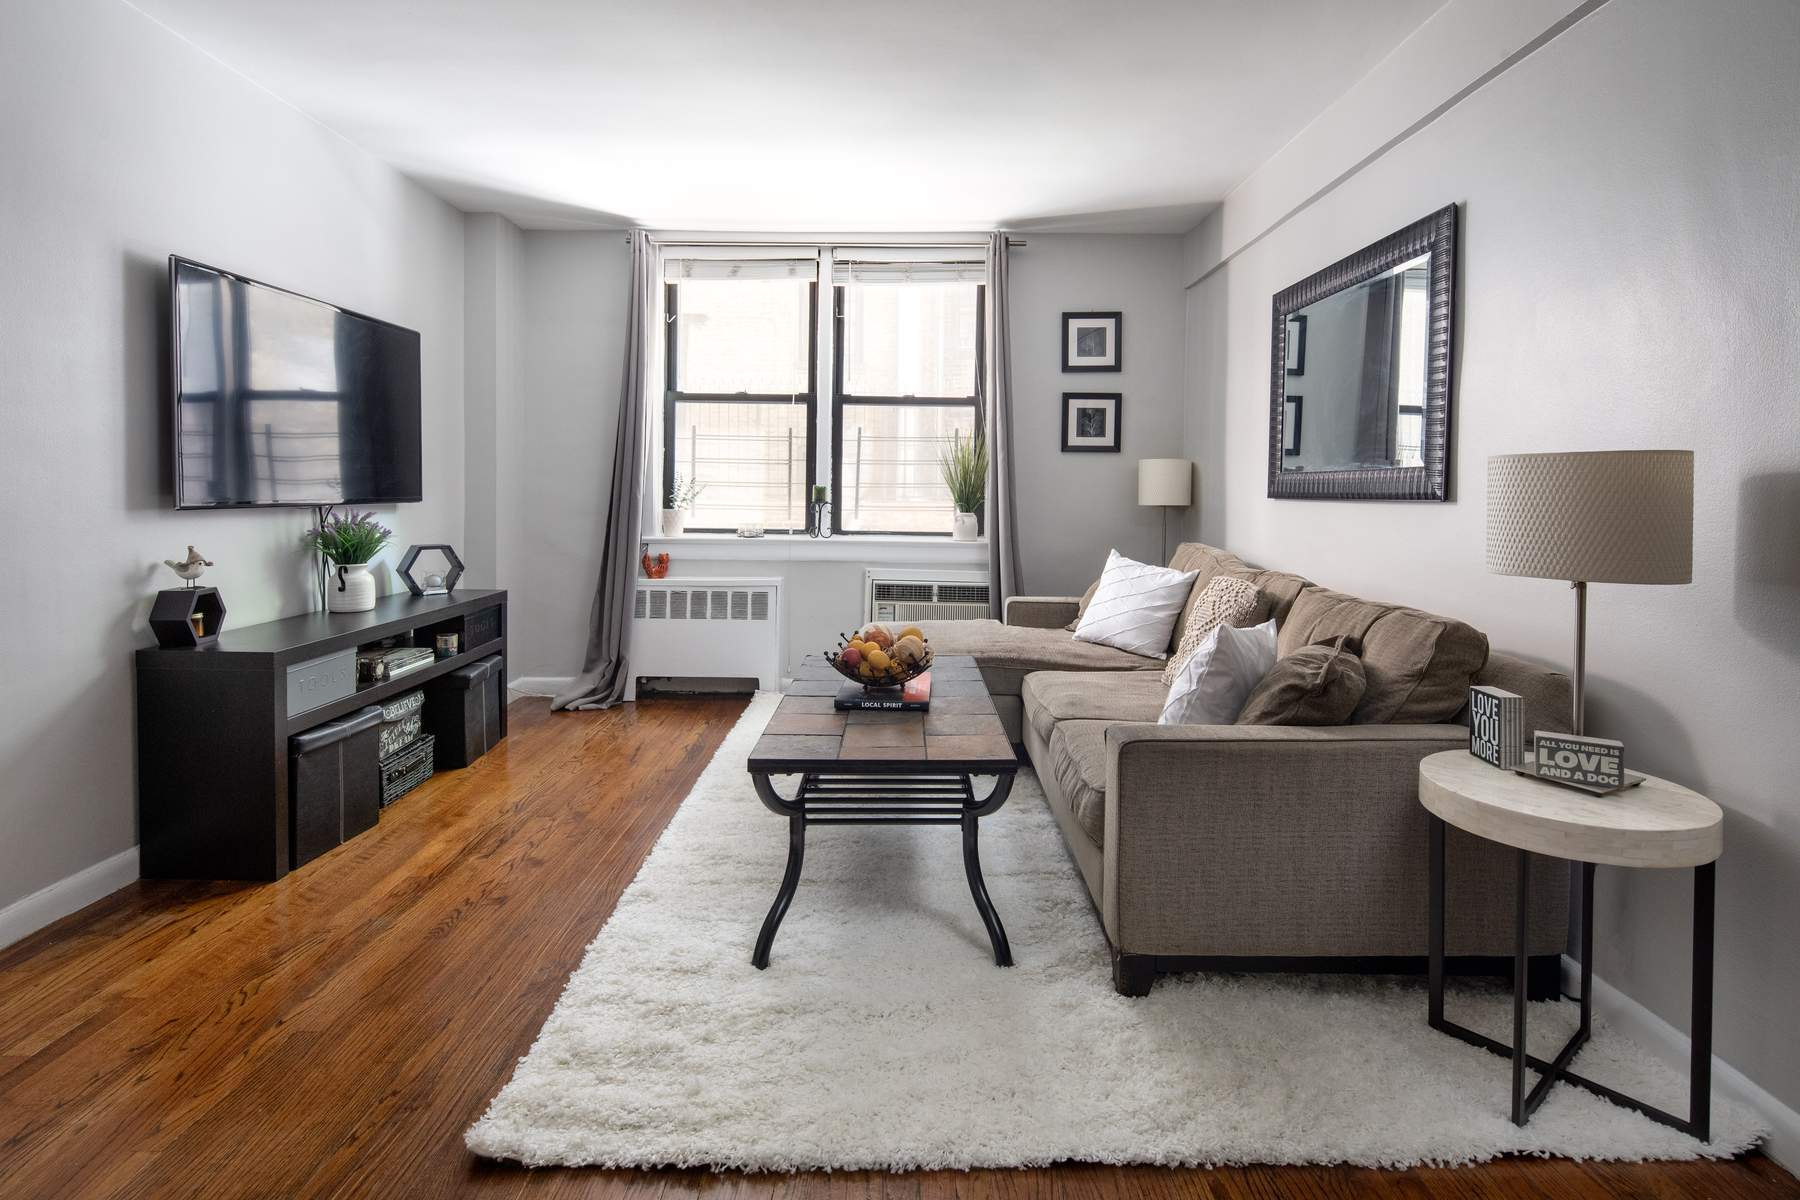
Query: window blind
{"x": 675, "y": 270}
{"x": 887, "y": 271}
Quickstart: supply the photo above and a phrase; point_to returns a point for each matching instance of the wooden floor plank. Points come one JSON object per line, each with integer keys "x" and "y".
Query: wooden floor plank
{"x": 333, "y": 1034}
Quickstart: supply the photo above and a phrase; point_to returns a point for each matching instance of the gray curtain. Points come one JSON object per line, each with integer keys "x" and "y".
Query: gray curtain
{"x": 1002, "y": 517}
{"x": 601, "y": 683}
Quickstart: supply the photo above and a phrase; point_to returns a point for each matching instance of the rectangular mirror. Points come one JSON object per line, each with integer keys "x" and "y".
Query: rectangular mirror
{"x": 1360, "y": 391}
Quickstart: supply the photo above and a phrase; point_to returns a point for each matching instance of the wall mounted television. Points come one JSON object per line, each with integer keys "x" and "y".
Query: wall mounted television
{"x": 283, "y": 401}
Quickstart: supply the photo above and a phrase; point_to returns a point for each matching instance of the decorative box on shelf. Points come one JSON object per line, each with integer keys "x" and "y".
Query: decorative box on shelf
{"x": 1497, "y": 727}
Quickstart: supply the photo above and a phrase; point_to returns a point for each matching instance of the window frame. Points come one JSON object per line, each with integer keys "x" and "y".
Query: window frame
{"x": 977, "y": 402}
{"x": 672, "y": 396}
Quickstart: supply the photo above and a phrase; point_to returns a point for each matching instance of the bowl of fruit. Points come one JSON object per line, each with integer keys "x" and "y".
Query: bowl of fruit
{"x": 877, "y": 657}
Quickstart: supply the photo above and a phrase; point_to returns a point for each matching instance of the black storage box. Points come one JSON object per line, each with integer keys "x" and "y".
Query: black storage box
{"x": 465, "y": 711}
{"x": 334, "y": 783}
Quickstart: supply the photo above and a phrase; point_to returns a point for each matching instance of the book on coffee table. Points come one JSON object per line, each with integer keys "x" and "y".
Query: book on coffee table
{"x": 912, "y": 696}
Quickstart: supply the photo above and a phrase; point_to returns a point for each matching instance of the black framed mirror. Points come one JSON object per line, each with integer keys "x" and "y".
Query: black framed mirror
{"x": 1362, "y": 349}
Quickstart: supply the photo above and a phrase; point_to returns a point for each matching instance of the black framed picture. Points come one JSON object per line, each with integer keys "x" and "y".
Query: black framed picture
{"x": 1090, "y": 421}
{"x": 1296, "y": 344}
{"x": 1091, "y": 341}
{"x": 1290, "y": 426}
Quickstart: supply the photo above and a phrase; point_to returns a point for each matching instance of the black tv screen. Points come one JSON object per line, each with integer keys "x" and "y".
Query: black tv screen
{"x": 283, "y": 400}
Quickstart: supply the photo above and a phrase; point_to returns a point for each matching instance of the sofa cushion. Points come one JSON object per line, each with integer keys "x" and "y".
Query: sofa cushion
{"x": 1136, "y": 607}
{"x": 1008, "y": 653}
{"x": 1418, "y": 665}
{"x": 1206, "y": 562}
{"x": 1054, "y": 696}
{"x": 1226, "y": 600}
{"x": 1278, "y": 591}
{"x": 1081, "y": 605}
{"x": 1078, "y": 764}
{"x": 1315, "y": 685}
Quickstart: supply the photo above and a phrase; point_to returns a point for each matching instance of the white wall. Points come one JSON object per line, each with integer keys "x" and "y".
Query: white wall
{"x": 1627, "y": 280}
{"x": 1073, "y": 507}
{"x": 493, "y": 370}
{"x": 120, "y": 144}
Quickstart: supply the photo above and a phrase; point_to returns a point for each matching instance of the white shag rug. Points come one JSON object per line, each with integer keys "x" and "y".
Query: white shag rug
{"x": 883, "y": 1036}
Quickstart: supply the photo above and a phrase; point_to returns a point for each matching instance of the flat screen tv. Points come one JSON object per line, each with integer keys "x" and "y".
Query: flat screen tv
{"x": 281, "y": 400}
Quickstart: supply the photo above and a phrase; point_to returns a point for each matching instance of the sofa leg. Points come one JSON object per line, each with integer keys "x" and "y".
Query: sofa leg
{"x": 1543, "y": 977}
{"x": 1133, "y": 973}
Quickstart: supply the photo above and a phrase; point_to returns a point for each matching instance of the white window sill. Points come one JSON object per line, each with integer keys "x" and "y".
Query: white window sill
{"x": 789, "y": 547}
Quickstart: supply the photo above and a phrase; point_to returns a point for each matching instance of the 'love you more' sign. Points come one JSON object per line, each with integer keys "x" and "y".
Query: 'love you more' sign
{"x": 1594, "y": 764}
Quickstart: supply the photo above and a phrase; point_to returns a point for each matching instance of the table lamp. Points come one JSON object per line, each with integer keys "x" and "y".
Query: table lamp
{"x": 1166, "y": 483}
{"x": 1609, "y": 516}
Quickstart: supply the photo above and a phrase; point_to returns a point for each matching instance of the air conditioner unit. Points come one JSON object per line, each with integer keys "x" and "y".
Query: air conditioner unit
{"x": 706, "y": 629}
{"x": 926, "y": 595}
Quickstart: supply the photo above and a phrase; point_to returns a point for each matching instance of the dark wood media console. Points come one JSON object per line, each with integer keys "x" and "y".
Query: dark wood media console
{"x": 213, "y": 724}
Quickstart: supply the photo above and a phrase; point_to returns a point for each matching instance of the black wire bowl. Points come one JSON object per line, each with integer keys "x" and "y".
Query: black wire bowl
{"x": 897, "y": 674}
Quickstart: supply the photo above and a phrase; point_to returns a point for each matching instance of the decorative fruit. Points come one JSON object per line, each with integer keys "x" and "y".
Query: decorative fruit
{"x": 878, "y": 637}
{"x": 909, "y": 650}
{"x": 878, "y": 660}
{"x": 911, "y": 631}
{"x": 851, "y": 655}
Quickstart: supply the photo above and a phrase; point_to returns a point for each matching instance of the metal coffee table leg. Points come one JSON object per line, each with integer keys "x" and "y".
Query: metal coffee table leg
{"x": 790, "y": 879}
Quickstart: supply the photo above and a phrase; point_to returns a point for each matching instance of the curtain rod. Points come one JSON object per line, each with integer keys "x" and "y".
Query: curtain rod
{"x": 887, "y": 244}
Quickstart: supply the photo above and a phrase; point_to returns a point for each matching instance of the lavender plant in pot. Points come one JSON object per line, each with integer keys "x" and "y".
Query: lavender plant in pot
{"x": 351, "y": 542}
{"x": 965, "y": 468}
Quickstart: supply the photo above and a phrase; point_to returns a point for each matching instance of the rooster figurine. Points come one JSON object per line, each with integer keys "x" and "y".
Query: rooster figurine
{"x": 189, "y": 568}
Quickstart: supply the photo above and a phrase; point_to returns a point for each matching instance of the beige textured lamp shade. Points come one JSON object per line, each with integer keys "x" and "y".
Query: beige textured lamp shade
{"x": 1166, "y": 481}
{"x": 1610, "y": 516}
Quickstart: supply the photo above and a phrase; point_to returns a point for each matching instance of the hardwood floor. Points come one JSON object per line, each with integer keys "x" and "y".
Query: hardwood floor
{"x": 334, "y": 1033}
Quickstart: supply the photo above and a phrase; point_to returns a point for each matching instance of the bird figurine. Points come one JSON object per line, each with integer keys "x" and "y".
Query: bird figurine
{"x": 189, "y": 568}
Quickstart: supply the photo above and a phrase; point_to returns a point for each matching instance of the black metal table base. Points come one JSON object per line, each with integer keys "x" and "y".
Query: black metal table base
{"x": 1698, "y": 1122}
{"x": 828, "y": 798}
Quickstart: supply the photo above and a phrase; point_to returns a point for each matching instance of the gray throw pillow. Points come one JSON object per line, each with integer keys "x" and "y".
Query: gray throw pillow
{"x": 1087, "y": 598}
{"x": 1315, "y": 685}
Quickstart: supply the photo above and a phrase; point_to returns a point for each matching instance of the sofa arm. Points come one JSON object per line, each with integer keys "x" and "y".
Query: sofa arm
{"x": 1041, "y": 612}
{"x": 1266, "y": 841}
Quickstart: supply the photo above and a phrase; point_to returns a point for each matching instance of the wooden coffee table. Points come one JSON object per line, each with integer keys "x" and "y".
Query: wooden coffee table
{"x": 885, "y": 768}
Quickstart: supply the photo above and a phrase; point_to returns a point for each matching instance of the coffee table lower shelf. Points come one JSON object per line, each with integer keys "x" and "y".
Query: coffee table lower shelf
{"x": 855, "y": 798}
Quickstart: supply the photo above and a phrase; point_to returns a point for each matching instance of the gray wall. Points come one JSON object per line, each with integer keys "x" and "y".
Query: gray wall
{"x": 1074, "y": 507}
{"x": 1627, "y": 280}
{"x": 120, "y": 145}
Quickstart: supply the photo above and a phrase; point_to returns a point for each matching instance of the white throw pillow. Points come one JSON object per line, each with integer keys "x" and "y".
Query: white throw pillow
{"x": 1211, "y": 687}
{"x": 1136, "y": 606}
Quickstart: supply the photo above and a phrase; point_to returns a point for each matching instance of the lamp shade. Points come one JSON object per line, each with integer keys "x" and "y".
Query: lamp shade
{"x": 1166, "y": 481}
{"x": 1610, "y": 516}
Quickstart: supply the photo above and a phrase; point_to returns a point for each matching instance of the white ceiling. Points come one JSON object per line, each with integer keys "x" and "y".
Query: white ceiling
{"x": 812, "y": 114}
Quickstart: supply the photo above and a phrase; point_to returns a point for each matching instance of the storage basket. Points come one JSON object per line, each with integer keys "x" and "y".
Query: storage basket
{"x": 405, "y": 769}
{"x": 395, "y": 735}
{"x": 403, "y": 706}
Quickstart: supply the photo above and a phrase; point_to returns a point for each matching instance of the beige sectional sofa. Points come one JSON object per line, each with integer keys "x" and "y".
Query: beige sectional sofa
{"x": 1268, "y": 847}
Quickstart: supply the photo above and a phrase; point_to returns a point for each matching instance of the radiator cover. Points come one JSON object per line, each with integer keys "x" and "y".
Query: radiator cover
{"x": 704, "y": 628}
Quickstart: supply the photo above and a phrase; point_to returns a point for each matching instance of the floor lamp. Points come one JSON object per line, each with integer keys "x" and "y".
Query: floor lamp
{"x": 1610, "y": 516}
{"x": 1166, "y": 483}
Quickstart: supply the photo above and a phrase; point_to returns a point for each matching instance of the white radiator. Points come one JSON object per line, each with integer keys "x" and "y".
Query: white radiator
{"x": 706, "y": 629}
{"x": 925, "y": 596}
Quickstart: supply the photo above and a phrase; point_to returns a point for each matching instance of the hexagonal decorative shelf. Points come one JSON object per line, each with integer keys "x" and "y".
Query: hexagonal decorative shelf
{"x": 447, "y": 575}
{"x": 187, "y": 617}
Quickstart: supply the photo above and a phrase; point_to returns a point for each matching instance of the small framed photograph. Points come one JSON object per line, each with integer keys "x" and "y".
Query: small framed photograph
{"x": 1296, "y": 344}
{"x": 1290, "y": 426}
{"x": 1091, "y": 341}
{"x": 1090, "y": 421}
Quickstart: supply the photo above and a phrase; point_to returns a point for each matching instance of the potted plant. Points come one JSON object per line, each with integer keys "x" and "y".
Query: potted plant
{"x": 965, "y": 468}
{"x": 682, "y": 494}
{"x": 351, "y": 542}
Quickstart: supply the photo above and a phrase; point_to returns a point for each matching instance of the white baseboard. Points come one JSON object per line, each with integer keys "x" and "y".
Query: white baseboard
{"x": 27, "y": 916}
{"x": 1673, "y": 1047}
{"x": 539, "y": 685}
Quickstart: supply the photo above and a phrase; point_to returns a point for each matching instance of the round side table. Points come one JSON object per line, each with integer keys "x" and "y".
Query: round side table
{"x": 1656, "y": 824}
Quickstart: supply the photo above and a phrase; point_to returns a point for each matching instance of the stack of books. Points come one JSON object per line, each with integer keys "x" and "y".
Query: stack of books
{"x": 912, "y": 696}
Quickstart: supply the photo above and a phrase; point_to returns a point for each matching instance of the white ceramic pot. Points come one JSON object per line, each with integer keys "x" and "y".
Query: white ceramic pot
{"x": 965, "y": 528}
{"x": 352, "y": 589}
{"x": 674, "y": 522}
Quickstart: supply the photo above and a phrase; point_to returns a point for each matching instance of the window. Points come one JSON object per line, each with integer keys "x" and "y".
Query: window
{"x": 741, "y": 365}
{"x": 907, "y": 369}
